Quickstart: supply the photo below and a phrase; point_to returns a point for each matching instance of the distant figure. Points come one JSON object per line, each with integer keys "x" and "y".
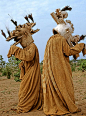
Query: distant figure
{"x": 58, "y": 87}
{"x": 30, "y": 94}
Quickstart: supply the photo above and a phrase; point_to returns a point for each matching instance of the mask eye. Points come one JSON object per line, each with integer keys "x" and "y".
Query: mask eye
{"x": 67, "y": 30}
{"x": 55, "y": 32}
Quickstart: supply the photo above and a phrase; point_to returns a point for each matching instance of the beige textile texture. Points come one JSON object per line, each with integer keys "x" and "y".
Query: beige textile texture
{"x": 30, "y": 96}
{"x": 58, "y": 87}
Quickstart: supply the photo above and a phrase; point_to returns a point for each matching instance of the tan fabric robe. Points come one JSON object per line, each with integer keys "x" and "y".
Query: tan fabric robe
{"x": 30, "y": 96}
{"x": 58, "y": 87}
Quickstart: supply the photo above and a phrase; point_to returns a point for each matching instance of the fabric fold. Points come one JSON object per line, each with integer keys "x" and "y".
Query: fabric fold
{"x": 58, "y": 89}
{"x": 30, "y": 92}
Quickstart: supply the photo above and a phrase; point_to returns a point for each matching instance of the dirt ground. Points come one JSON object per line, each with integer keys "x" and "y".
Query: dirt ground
{"x": 9, "y": 96}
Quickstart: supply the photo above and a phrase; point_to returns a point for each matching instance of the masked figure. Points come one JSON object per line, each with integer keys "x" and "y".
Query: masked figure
{"x": 30, "y": 96}
{"x": 58, "y": 87}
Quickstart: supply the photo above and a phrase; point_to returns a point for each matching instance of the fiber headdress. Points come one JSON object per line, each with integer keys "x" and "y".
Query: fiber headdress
{"x": 65, "y": 27}
{"x": 23, "y": 29}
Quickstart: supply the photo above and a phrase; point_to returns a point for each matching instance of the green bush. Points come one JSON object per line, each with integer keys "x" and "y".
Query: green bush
{"x": 78, "y": 65}
{"x": 4, "y": 73}
{"x": 41, "y": 68}
{"x": 81, "y": 64}
{"x": 0, "y": 69}
{"x": 8, "y": 72}
{"x": 84, "y": 66}
{"x": 73, "y": 67}
{"x": 17, "y": 79}
{"x": 17, "y": 76}
{"x": 79, "y": 68}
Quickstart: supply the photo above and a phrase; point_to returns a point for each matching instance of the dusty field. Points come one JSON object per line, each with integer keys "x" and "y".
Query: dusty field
{"x": 9, "y": 96}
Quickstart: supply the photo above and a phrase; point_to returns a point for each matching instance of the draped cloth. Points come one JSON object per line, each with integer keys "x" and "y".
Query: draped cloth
{"x": 30, "y": 96}
{"x": 58, "y": 87}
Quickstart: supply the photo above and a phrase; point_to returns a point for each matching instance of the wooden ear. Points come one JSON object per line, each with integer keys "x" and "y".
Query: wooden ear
{"x": 34, "y": 31}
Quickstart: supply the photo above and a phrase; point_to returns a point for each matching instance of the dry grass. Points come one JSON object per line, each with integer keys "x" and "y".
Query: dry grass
{"x": 9, "y": 96}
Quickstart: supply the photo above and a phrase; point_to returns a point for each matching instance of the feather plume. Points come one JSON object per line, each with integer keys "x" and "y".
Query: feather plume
{"x": 31, "y": 17}
{"x": 82, "y": 37}
{"x": 3, "y": 33}
{"x": 14, "y": 22}
{"x": 8, "y": 31}
{"x": 26, "y": 17}
{"x": 66, "y": 8}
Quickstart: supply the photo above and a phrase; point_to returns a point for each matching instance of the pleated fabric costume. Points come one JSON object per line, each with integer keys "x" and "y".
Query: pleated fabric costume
{"x": 58, "y": 87}
{"x": 30, "y": 95}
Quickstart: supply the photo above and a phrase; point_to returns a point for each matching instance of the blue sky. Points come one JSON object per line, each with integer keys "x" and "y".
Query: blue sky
{"x": 41, "y": 10}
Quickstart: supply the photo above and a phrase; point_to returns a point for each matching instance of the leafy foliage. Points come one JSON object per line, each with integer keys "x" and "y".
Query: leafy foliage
{"x": 81, "y": 64}
{"x": 6, "y": 72}
{"x": 41, "y": 66}
{"x": 75, "y": 65}
{"x": 2, "y": 63}
{"x": 11, "y": 67}
{"x": 17, "y": 76}
{"x": 78, "y": 64}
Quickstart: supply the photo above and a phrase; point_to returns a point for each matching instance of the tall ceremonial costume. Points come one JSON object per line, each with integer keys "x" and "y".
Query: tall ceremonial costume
{"x": 58, "y": 87}
{"x": 30, "y": 95}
